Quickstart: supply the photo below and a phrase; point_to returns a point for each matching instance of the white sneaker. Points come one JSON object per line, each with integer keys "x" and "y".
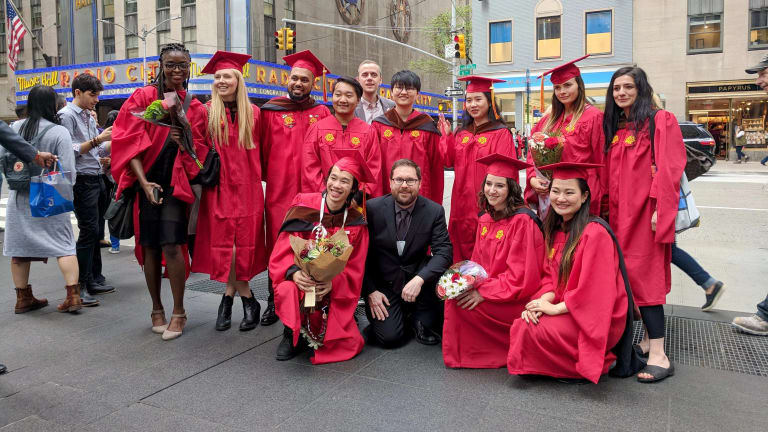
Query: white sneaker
{"x": 114, "y": 251}
{"x": 752, "y": 325}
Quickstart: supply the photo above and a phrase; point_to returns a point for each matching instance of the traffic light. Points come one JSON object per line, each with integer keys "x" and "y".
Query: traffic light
{"x": 446, "y": 106}
{"x": 460, "y": 46}
{"x": 280, "y": 39}
{"x": 289, "y": 37}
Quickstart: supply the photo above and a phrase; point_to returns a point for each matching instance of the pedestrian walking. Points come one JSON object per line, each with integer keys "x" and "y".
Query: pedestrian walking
{"x": 154, "y": 157}
{"x": 713, "y": 288}
{"x": 29, "y": 238}
{"x": 642, "y": 179}
{"x": 739, "y": 141}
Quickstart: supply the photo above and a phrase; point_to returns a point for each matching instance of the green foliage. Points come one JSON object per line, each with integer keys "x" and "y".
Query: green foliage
{"x": 155, "y": 111}
{"x": 439, "y": 28}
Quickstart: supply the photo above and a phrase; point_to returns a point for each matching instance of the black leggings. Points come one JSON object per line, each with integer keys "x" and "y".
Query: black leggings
{"x": 653, "y": 318}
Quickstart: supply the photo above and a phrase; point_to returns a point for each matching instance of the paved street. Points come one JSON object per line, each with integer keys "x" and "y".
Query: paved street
{"x": 103, "y": 370}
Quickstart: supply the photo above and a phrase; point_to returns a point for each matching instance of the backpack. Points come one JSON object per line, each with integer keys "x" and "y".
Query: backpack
{"x": 17, "y": 172}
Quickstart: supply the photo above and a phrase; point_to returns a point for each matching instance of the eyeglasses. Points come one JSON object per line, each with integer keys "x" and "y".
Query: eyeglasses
{"x": 410, "y": 181}
{"x": 398, "y": 89}
{"x": 179, "y": 66}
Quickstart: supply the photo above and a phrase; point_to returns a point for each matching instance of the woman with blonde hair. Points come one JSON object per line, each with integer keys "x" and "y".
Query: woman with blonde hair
{"x": 229, "y": 244}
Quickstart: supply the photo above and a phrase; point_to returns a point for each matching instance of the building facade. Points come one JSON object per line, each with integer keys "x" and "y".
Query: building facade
{"x": 77, "y": 38}
{"x": 517, "y": 41}
{"x": 695, "y": 53}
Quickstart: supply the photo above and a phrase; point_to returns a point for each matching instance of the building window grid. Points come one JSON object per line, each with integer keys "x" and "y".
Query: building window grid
{"x": 705, "y": 26}
{"x": 164, "y": 30}
{"x": 189, "y": 24}
{"x": 758, "y": 26}
{"x": 37, "y": 14}
{"x": 108, "y": 30}
{"x": 3, "y": 48}
{"x": 269, "y": 8}
{"x": 598, "y": 22}
{"x": 500, "y": 41}
{"x": 132, "y": 26}
{"x": 270, "y": 27}
{"x": 548, "y": 39}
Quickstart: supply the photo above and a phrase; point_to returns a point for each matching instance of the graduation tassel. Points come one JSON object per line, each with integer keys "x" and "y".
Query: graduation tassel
{"x": 541, "y": 95}
{"x": 325, "y": 95}
{"x": 493, "y": 105}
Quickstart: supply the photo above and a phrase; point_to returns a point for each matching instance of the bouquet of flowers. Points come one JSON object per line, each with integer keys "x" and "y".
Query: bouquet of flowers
{"x": 545, "y": 150}
{"x": 459, "y": 278}
{"x": 169, "y": 112}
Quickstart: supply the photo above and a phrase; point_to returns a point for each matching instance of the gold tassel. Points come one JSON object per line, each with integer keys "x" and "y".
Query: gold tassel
{"x": 325, "y": 95}
{"x": 493, "y": 105}
{"x": 541, "y": 95}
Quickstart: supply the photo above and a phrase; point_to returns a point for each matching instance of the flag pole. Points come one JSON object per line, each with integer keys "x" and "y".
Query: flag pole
{"x": 31, "y": 34}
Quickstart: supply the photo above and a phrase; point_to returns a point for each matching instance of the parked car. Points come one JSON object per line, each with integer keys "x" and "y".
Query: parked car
{"x": 697, "y": 136}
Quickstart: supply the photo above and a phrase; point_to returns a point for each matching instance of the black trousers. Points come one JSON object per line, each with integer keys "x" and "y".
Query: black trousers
{"x": 104, "y": 199}
{"x": 87, "y": 190}
{"x": 395, "y": 330}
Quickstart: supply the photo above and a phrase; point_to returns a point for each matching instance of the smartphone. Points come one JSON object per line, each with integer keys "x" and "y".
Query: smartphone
{"x": 156, "y": 194}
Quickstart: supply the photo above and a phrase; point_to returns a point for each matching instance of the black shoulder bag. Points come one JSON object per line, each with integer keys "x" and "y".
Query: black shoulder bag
{"x": 17, "y": 172}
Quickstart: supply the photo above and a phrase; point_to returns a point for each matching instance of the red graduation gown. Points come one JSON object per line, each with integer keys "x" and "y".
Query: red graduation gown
{"x": 633, "y": 195}
{"x": 511, "y": 251}
{"x": 585, "y": 143}
{"x": 342, "y": 338}
{"x": 416, "y": 139}
{"x": 133, "y": 137}
{"x": 284, "y": 124}
{"x": 461, "y": 150}
{"x": 232, "y": 213}
{"x": 327, "y": 135}
{"x": 576, "y": 344}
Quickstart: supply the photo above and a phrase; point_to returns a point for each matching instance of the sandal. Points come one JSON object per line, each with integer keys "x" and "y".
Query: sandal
{"x": 170, "y": 335}
{"x": 160, "y": 328}
{"x": 657, "y": 372}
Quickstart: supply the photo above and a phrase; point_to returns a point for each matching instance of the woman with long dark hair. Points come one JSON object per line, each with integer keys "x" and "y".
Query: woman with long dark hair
{"x": 152, "y": 157}
{"x": 580, "y": 312}
{"x": 482, "y": 133}
{"x": 229, "y": 244}
{"x": 509, "y": 246}
{"x": 30, "y": 238}
{"x": 580, "y": 123}
{"x": 642, "y": 180}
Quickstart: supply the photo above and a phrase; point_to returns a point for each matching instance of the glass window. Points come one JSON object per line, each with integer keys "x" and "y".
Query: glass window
{"x": 704, "y": 26}
{"x": 108, "y": 9}
{"x": 37, "y": 14}
{"x": 132, "y": 28}
{"x": 290, "y": 9}
{"x": 548, "y": 37}
{"x": 163, "y": 13}
{"x": 189, "y": 24}
{"x": 500, "y": 42}
{"x": 599, "y": 37}
{"x": 130, "y": 7}
{"x": 3, "y": 56}
{"x": 269, "y": 8}
{"x": 758, "y": 24}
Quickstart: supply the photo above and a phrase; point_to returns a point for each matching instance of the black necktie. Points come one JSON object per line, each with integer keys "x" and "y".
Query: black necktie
{"x": 402, "y": 224}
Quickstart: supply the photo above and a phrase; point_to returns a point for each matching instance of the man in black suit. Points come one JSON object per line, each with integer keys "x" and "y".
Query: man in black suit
{"x": 400, "y": 274}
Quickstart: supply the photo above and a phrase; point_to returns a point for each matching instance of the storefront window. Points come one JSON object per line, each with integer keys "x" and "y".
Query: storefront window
{"x": 758, "y": 24}
{"x": 506, "y": 108}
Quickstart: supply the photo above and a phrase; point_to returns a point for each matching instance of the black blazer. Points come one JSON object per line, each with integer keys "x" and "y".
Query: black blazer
{"x": 15, "y": 144}
{"x": 384, "y": 267}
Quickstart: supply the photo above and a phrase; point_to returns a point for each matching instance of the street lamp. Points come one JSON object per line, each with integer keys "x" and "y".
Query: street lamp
{"x": 143, "y": 37}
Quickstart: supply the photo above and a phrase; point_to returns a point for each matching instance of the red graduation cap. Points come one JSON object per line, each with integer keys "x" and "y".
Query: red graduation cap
{"x": 306, "y": 60}
{"x": 560, "y": 74}
{"x": 352, "y": 162}
{"x": 569, "y": 170}
{"x": 502, "y": 166}
{"x": 481, "y": 84}
{"x": 226, "y": 60}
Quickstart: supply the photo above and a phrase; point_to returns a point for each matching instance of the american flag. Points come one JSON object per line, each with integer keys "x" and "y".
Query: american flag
{"x": 16, "y": 31}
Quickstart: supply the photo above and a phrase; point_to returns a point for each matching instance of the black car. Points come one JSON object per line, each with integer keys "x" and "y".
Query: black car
{"x": 697, "y": 136}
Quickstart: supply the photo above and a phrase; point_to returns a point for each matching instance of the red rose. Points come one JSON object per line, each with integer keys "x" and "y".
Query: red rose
{"x": 551, "y": 142}
{"x": 455, "y": 277}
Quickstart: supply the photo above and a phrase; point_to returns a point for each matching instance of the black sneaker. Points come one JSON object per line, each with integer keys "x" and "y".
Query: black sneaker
{"x": 714, "y": 297}
{"x": 96, "y": 289}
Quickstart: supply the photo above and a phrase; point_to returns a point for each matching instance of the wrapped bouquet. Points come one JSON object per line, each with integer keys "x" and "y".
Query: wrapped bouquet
{"x": 545, "y": 149}
{"x": 459, "y": 278}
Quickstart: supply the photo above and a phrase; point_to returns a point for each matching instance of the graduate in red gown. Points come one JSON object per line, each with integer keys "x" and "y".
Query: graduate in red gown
{"x": 510, "y": 247}
{"x": 643, "y": 186}
{"x": 580, "y": 312}
{"x": 308, "y": 216}
{"x": 405, "y": 133}
{"x": 229, "y": 245}
{"x": 482, "y": 133}
{"x": 342, "y": 130}
{"x": 580, "y": 123}
{"x": 152, "y": 158}
{"x": 284, "y": 124}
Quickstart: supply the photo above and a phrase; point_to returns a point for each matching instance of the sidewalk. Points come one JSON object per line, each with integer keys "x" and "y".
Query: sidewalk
{"x": 103, "y": 370}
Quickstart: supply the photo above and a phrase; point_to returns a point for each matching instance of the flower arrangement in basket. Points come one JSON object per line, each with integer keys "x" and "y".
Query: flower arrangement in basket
{"x": 460, "y": 278}
{"x": 546, "y": 149}
{"x": 322, "y": 258}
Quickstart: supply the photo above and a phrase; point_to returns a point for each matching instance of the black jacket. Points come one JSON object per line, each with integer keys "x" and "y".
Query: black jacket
{"x": 383, "y": 266}
{"x": 15, "y": 144}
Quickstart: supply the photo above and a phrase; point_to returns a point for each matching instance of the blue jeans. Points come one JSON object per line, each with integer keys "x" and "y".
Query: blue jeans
{"x": 762, "y": 309}
{"x": 764, "y": 161}
{"x": 115, "y": 242}
{"x": 686, "y": 263}
{"x": 739, "y": 153}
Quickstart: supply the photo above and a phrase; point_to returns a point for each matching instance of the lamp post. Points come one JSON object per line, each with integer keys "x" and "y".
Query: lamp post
{"x": 143, "y": 37}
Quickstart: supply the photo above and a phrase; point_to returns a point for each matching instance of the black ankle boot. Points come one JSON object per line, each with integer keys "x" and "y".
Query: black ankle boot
{"x": 270, "y": 316}
{"x": 251, "y": 310}
{"x": 286, "y": 350}
{"x": 224, "y": 320}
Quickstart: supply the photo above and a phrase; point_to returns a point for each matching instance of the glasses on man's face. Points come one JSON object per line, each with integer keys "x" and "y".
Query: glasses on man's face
{"x": 399, "y": 89}
{"x": 179, "y": 66}
{"x": 408, "y": 181}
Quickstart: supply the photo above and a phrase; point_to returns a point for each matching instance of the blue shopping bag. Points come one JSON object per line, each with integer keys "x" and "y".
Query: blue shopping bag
{"x": 50, "y": 193}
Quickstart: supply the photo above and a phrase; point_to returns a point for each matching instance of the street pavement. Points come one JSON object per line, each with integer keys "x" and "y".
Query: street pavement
{"x": 103, "y": 370}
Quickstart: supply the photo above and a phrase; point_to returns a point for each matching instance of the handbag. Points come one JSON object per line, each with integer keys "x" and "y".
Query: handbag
{"x": 119, "y": 214}
{"x": 697, "y": 162}
{"x": 17, "y": 172}
{"x": 688, "y": 215}
{"x": 50, "y": 194}
{"x": 209, "y": 174}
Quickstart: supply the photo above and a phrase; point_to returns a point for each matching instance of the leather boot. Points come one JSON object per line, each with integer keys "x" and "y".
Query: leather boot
{"x": 270, "y": 316}
{"x": 251, "y": 310}
{"x": 26, "y": 302}
{"x": 72, "y": 303}
{"x": 224, "y": 319}
{"x": 286, "y": 350}
{"x": 87, "y": 299}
